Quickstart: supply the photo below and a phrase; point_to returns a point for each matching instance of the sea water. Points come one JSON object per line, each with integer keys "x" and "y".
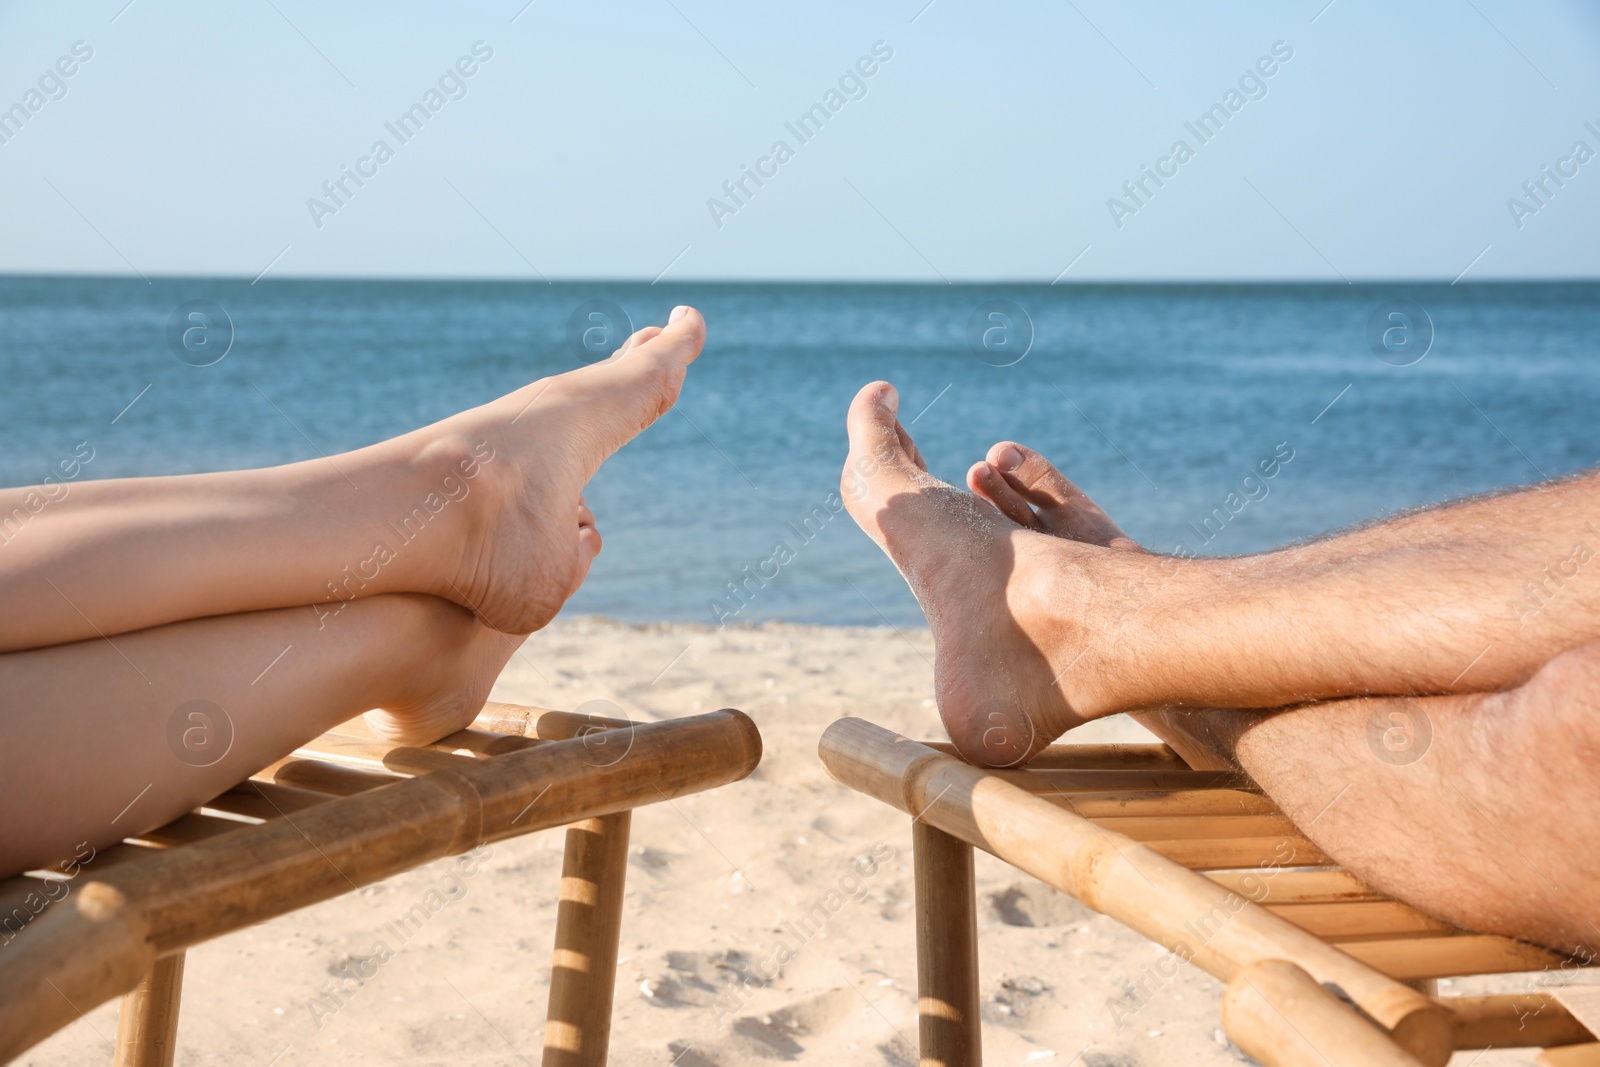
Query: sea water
{"x": 1167, "y": 403}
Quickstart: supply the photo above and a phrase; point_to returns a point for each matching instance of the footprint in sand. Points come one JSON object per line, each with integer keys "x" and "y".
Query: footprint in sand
{"x": 688, "y": 1054}
{"x": 1036, "y": 904}
{"x": 781, "y": 1032}
{"x": 1109, "y": 1059}
{"x": 781, "y": 1035}
{"x": 1017, "y": 1003}
{"x": 656, "y": 861}
{"x": 898, "y": 1052}
{"x": 699, "y": 979}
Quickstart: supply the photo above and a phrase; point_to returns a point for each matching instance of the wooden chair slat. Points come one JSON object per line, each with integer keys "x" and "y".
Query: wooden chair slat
{"x": 1410, "y": 958}
{"x": 1320, "y": 885}
{"x": 321, "y": 777}
{"x": 473, "y": 741}
{"x": 1193, "y": 827}
{"x": 365, "y": 754}
{"x": 1227, "y": 853}
{"x": 187, "y": 829}
{"x": 1166, "y": 803}
{"x": 1104, "y": 779}
{"x": 1341, "y": 922}
{"x": 265, "y": 800}
{"x": 1514, "y": 1020}
{"x": 1096, "y": 756}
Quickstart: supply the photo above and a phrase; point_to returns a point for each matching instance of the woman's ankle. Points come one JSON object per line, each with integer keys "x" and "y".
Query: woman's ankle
{"x": 441, "y": 663}
{"x": 437, "y": 495}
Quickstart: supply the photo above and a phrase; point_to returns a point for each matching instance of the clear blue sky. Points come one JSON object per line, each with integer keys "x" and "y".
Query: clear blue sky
{"x": 985, "y": 148}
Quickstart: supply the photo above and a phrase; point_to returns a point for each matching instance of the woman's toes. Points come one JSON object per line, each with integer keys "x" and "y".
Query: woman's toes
{"x": 589, "y": 544}
{"x": 986, "y": 480}
{"x": 617, "y": 398}
{"x": 658, "y": 356}
{"x": 638, "y": 337}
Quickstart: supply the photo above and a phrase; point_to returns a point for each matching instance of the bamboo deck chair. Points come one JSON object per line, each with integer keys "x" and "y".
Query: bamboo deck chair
{"x": 1321, "y": 969}
{"x": 343, "y": 812}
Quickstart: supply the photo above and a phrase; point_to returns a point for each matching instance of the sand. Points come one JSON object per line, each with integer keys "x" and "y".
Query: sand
{"x": 714, "y": 880}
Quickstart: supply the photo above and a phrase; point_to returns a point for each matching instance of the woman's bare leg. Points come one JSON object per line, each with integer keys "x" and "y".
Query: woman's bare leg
{"x": 481, "y": 509}
{"x": 103, "y": 741}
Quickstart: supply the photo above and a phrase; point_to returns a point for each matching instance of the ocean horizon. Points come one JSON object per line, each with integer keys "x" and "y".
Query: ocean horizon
{"x": 1169, "y": 403}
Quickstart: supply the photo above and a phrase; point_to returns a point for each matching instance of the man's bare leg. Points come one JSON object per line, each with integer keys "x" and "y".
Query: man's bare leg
{"x": 1482, "y": 811}
{"x": 481, "y": 509}
{"x": 106, "y": 741}
{"x": 1472, "y": 807}
{"x": 1466, "y": 805}
{"x": 1038, "y": 633}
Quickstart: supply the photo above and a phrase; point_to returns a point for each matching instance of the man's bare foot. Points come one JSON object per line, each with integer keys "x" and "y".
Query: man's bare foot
{"x": 1032, "y": 492}
{"x": 1016, "y": 594}
{"x": 527, "y": 541}
{"x": 1027, "y": 489}
{"x": 1430, "y": 824}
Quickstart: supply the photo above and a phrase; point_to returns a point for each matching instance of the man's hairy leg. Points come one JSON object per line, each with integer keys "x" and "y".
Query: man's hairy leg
{"x": 1474, "y": 806}
{"x": 1044, "y": 615}
{"x": 1481, "y": 809}
{"x": 1466, "y": 597}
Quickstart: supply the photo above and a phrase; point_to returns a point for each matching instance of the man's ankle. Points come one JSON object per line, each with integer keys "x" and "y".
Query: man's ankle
{"x": 1140, "y": 626}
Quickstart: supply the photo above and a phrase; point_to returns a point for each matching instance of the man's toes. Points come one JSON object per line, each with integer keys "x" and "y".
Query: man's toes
{"x": 1035, "y": 477}
{"x": 883, "y": 458}
{"x": 909, "y": 446}
{"x": 1063, "y": 508}
{"x": 986, "y": 480}
{"x": 883, "y": 464}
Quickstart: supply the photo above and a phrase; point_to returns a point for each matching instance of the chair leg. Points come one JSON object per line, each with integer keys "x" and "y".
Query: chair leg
{"x": 947, "y": 950}
{"x": 147, "y": 1024}
{"x": 588, "y": 924}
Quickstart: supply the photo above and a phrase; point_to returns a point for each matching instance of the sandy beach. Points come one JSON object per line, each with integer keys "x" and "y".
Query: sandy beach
{"x": 716, "y": 880}
{"x": 1233, "y": 359}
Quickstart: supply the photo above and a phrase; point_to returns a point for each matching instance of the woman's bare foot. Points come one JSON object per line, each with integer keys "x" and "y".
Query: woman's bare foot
{"x": 1016, "y": 594}
{"x": 526, "y": 543}
{"x": 482, "y": 509}
{"x": 444, "y": 690}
